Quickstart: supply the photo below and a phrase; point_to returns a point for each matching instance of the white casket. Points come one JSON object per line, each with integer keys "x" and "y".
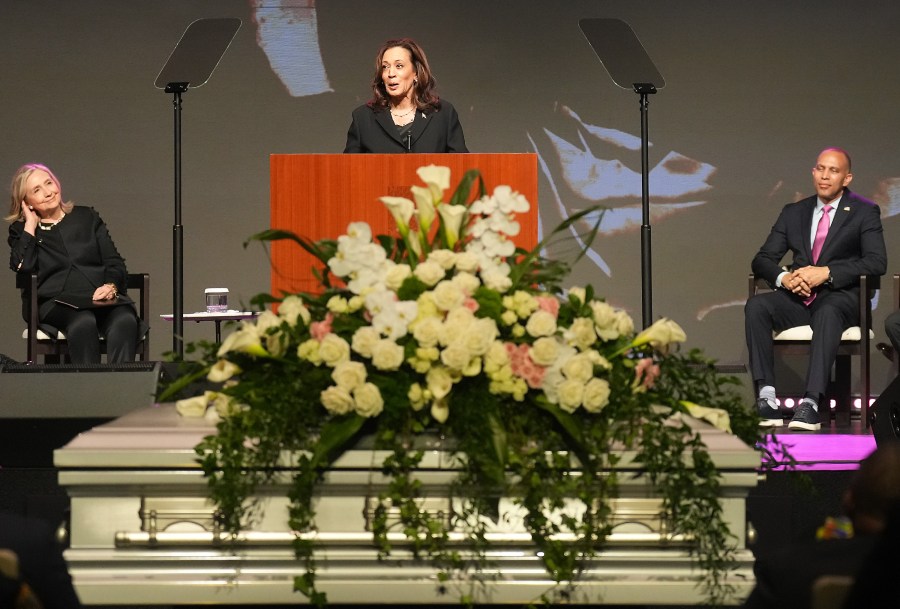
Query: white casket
{"x": 143, "y": 532}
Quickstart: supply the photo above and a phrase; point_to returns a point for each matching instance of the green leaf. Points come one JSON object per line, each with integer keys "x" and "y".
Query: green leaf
{"x": 334, "y": 435}
{"x": 461, "y": 194}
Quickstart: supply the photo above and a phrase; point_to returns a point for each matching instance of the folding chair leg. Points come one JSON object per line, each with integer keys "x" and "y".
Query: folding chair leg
{"x": 841, "y": 391}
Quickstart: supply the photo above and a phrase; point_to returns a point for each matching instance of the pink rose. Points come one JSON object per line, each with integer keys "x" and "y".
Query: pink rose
{"x": 646, "y": 372}
{"x": 549, "y": 304}
{"x": 320, "y": 329}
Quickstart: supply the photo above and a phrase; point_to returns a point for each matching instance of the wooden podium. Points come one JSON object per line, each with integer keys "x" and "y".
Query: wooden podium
{"x": 318, "y": 195}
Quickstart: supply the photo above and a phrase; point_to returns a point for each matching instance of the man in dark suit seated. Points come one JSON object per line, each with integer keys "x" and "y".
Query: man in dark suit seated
{"x": 785, "y": 577}
{"x": 833, "y": 237}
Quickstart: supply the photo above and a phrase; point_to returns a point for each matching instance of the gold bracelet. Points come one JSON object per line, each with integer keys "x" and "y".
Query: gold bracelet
{"x": 114, "y": 289}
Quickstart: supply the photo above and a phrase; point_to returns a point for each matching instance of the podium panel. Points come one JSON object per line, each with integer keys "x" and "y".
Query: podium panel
{"x": 318, "y": 195}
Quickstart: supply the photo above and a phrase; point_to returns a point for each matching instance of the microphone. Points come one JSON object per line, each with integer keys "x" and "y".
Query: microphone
{"x": 409, "y": 141}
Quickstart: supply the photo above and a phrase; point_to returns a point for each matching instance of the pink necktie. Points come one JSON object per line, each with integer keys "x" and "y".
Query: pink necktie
{"x": 818, "y": 242}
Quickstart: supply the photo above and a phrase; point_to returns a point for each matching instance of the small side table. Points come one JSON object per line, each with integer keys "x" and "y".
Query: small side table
{"x": 218, "y": 318}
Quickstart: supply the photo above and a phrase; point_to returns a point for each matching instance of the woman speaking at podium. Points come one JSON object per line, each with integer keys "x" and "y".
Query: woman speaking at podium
{"x": 80, "y": 272}
{"x": 405, "y": 114}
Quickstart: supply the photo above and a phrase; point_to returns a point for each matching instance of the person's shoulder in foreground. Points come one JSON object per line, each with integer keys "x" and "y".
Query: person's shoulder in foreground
{"x": 41, "y": 563}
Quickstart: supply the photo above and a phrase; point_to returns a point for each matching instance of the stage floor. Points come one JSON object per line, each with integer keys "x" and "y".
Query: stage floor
{"x": 831, "y": 448}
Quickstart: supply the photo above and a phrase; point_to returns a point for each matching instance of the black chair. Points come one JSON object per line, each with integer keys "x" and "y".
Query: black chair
{"x": 56, "y": 349}
{"x": 853, "y": 342}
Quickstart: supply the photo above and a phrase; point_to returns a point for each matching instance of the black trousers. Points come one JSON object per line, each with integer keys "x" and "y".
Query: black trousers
{"x": 830, "y": 314}
{"x": 83, "y": 329}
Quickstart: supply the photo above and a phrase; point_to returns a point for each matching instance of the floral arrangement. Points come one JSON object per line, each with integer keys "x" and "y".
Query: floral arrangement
{"x": 450, "y": 327}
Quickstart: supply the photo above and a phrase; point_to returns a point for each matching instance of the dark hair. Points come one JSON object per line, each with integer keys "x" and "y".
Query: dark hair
{"x": 875, "y": 489}
{"x": 424, "y": 96}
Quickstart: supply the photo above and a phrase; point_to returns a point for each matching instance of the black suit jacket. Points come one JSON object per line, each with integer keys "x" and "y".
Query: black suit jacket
{"x": 373, "y": 130}
{"x": 854, "y": 246}
{"x": 41, "y": 562}
{"x": 89, "y": 250}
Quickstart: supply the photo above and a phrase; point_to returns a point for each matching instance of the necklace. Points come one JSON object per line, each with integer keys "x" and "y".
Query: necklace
{"x": 49, "y": 225}
{"x": 395, "y": 115}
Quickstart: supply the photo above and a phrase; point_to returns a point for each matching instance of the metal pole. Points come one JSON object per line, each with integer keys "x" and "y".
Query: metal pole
{"x": 177, "y": 233}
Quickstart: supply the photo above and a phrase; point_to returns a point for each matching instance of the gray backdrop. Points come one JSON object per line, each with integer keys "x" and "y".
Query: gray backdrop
{"x": 754, "y": 90}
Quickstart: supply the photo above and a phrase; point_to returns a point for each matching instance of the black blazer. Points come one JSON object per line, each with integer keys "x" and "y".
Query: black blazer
{"x": 854, "y": 246}
{"x": 373, "y": 130}
{"x": 89, "y": 250}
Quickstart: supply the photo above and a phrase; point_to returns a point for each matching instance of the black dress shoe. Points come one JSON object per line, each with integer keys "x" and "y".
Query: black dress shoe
{"x": 886, "y": 350}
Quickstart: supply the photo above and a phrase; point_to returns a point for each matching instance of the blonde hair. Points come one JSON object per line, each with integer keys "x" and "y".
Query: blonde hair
{"x": 17, "y": 190}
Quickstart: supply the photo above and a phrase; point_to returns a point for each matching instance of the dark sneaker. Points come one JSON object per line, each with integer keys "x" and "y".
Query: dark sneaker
{"x": 768, "y": 416}
{"x": 805, "y": 417}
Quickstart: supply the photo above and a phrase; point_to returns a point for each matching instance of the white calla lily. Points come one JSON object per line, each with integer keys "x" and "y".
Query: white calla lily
{"x": 402, "y": 210}
{"x": 435, "y": 175}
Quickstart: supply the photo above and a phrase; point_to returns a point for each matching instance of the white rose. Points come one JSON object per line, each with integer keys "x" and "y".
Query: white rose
{"x": 544, "y": 351}
{"x": 570, "y": 394}
{"x": 369, "y": 402}
{"x": 577, "y": 292}
{"x": 396, "y": 275}
{"x": 460, "y": 317}
{"x": 447, "y": 296}
{"x": 222, "y": 371}
{"x": 496, "y": 357}
{"x": 292, "y": 308}
{"x": 336, "y": 400}
{"x": 349, "y": 375}
{"x": 427, "y": 331}
{"x": 467, "y": 282}
{"x": 309, "y": 350}
{"x": 581, "y": 333}
{"x": 445, "y": 258}
{"x": 541, "y": 323}
{"x": 333, "y": 350}
{"x": 579, "y": 368}
{"x": 355, "y": 304}
{"x": 605, "y": 320}
{"x": 624, "y": 323}
{"x": 364, "y": 339}
{"x": 337, "y": 305}
{"x": 456, "y": 355}
{"x": 429, "y": 273}
{"x": 466, "y": 262}
{"x": 387, "y": 355}
{"x": 596, "y": 395}
{"x": 479, "y": 335}
{"x": 496, "y": 279}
